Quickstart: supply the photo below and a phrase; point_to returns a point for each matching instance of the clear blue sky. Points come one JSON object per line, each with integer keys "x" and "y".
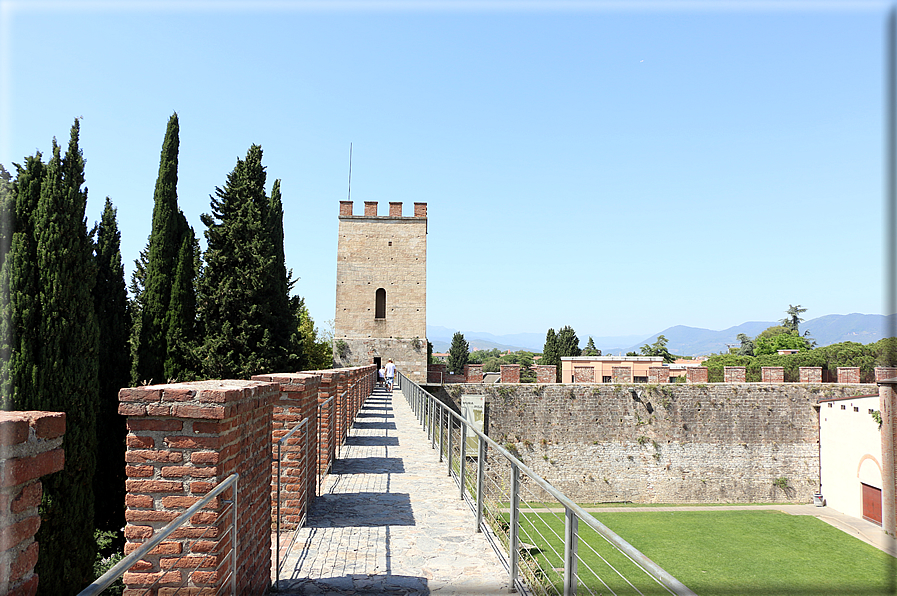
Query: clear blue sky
{"x": 616, "y": 167}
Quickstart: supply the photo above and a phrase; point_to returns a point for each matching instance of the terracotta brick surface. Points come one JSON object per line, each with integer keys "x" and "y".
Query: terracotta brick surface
{"x": 696, "y": 374}
{"x": 734, "y": 374}
{"x": 810, "y": 374}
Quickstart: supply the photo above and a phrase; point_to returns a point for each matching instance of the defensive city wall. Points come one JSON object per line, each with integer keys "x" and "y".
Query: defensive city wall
{"x": 668, "y": 443}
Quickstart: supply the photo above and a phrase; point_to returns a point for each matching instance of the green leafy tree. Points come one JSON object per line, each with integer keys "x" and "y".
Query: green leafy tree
{"x": 459, "y": 353}
{"x": 20, "y": 298}
{"x": 550, "y": 354}
{"x": 68, "y": 364}
{"x": 568, "y": 343}
{"x": 590, "y": 349}
{"x": 110, "y": 299}
{"x": 167, "y": 303}
{"x": 658, "y": 348}
{"x": 316, "y": 344}
{"x": 240, "y": 291}
{"x": 747, "y": 345}
{"x": 793, "y": 320}
{"x": 779, "y": 338}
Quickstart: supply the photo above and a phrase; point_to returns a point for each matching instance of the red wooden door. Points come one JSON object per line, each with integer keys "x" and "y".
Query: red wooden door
{"x": 872, "y": 504}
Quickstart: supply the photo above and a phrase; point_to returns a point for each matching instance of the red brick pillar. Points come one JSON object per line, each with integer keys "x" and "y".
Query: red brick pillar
{"x": 772, "y": 374}
{"x": 621, "y": 374}
{"x": 510, "y": 373}
{"x": 658, "y": 374}
{"x": 183, "y": 439}
{"x": 298, "y": 402}
{"x": 31, "y": 447}
{"x": 474, "y": 373}
{"x": 810, "y": 374}
{"x": 696, "y": 374}
{"x": 887, "y": 395}
{"x": 734, "y": 374}
{"x": 546, "y": 373}
{"x": 328, "y": 425}
{"x": 883, "y": 373}
{"x": 848, "y": 374}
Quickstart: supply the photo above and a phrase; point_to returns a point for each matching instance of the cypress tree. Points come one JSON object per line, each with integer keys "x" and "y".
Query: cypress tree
{"x": 284, "y": 311}
{"x": 243, "y": 287}
{"x": 19, "y": 329}
{"x": 458, "y": 353}
{"x": 113, "y": 320}
{"x": 568, "y": 343}
{"x": 550, "y": 355}
{"x": 166, "y": 314}
{"x": 68, "y": 365}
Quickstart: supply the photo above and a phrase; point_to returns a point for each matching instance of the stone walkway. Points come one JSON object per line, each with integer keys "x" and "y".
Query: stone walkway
{"x": 390, "y": 520}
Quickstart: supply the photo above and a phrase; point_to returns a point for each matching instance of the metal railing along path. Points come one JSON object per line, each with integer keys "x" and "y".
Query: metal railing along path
{"x": 126, "y": 563}
{"x": 548, "y": 552}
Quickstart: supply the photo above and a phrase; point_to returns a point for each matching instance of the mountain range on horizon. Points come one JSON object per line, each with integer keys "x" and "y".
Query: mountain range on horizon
{"x": 681, "y": 339}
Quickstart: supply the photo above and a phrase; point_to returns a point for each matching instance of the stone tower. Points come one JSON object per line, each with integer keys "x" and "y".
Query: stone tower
{"x": 381, "y": 289}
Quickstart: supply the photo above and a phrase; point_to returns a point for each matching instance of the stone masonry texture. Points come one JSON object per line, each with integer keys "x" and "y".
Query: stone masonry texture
{"x": 386, "y": 254}
{"x": 669, "y": 443}
{"x": 30, "y": 447}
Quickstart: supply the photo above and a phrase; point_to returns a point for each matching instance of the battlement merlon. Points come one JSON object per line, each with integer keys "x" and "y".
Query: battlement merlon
{"x": 370, "y": 210}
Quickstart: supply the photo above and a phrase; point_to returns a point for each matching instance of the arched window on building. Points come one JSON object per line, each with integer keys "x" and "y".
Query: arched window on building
{"x": 380, "y": 305}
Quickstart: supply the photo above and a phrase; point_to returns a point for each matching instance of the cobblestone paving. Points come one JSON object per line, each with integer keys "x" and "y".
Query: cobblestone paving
{"x": 390, "y": 521}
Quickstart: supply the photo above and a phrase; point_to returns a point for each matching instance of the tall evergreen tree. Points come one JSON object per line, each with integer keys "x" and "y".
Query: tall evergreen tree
{"x": 242, "y": 291}
{"x": 68, "y": 364}
{"x": 550, "y": 353}
{"x": 568, "y": 343}
{"x": 459, "y": 353}
{"x": 590, "y": 349}
{"x": 20, "y": 300}
{"x": 167, "y": 303}
{"x": 113, "y": 320}
{"x": 285, "y": 311}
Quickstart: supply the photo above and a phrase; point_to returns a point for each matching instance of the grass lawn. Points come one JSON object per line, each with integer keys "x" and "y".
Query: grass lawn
{"x": 754, "y": 553}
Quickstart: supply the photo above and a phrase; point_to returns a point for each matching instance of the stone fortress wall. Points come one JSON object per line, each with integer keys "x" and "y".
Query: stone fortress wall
{"x": 665, "y": 443}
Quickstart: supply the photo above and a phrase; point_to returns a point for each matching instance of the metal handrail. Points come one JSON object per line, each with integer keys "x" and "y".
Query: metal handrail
{"x": 573, "y": 510}
{"x": 280, "y": 444}
{"x": 105, "y": 580}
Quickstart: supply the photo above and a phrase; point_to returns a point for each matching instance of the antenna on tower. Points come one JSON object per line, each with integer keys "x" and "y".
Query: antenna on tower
{"x": 349, "y": 197}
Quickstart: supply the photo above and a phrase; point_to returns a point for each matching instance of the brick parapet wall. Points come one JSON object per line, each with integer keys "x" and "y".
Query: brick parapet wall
{"x": 298, "y": 464}
{"x": 658, "y": 374}
{"x": 677, "y": 443}
{"x": 30, "y": 447}
{"x": 696, "y": 374}
{"x": 848, "y": 374}
{"x": 810, "y": 374}
{"x": 583, "y": 374}
{"x": 772, "y": 374}
{"x": 510, "y": 373}
{"x": 734, "y": 374}
{"x": 883, "y": 373}
{"x": 183, "y": 439}
{"x": 473, "y": 373}
{"x": 436, "y": 373}
{"x": 621, "y": 374}
{"x": 546, "y": 373}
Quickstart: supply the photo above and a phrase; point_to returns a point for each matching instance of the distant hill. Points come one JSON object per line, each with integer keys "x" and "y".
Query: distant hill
{"x": 686, "y": 341}
{"x": 826, "y": 330}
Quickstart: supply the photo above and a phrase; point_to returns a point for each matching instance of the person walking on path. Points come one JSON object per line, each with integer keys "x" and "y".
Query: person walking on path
{"x": 390, "y": 374}
{"x": 381, "y": 374}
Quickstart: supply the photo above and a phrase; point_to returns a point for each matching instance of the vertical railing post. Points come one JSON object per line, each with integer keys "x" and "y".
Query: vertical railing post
{"x": 233, "y": 569}
{"x": 514, "y": 526}
{"x": 571, "y": 546}
{"x": 450, "y": 423}
{"x": 462, "y": 478}
{"x": 277, "y": 557}
{"x": 441, "y": 435}
{"x": 481, "y": 472}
